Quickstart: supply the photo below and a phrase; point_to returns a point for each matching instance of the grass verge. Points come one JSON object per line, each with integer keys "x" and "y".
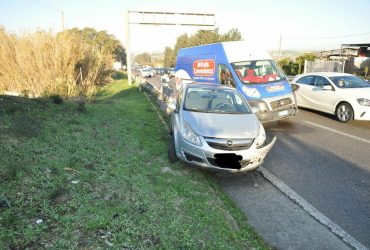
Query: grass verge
{"x": 101, "y": 178}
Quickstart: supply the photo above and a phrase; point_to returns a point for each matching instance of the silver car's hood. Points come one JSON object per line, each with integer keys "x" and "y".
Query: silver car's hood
{"x": 222, "y": 125}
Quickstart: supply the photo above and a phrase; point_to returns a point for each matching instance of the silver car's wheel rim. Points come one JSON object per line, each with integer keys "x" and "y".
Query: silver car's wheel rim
{"x": 344, "y": 113}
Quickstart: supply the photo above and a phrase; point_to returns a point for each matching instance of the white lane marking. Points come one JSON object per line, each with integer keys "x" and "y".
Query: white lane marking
{"x": 316, "y": 214}
{"x": 339, "y": 132}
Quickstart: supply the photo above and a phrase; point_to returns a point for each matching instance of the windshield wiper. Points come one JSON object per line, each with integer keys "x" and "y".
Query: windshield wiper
{"x": 198, "y": 110}
{"x": 230, "y": 112}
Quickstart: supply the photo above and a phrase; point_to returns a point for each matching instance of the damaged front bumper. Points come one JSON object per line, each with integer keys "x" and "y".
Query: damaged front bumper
{"x": 221, "y": 160}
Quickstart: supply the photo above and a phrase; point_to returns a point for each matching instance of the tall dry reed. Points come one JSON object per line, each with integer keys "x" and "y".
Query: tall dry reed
{"x": 43, "y": 64}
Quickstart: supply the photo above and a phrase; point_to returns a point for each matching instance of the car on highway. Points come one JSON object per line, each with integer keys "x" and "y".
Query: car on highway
{"x": 344, "y": 95}
{"x": 213, "y": 126}
{"x": 171, "y": 72}
{"x": 247, "y": 67}
{"x": 146, "y": 73}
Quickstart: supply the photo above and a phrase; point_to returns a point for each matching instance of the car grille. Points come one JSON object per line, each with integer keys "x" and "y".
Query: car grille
{"x": 281, "y": 103}
{"x": 229, "y": 144}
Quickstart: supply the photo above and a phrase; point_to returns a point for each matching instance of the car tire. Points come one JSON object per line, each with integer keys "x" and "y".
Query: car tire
{"x": 172, "y": 149}
{"x": 344, "y": 112}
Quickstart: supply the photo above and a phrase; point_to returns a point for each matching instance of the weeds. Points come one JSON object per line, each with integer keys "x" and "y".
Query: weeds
{"x": 81, "y": 106}
{"x": 57, "y": 99}
{"x": 58, "y": 193}
{"x": 103, "y": 177}
{"x": 4, "y": 203}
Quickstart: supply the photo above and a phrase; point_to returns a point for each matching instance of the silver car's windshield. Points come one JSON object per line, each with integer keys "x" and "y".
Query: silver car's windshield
{"x": 211, "y": 100}
{"x": 349, "y": 82}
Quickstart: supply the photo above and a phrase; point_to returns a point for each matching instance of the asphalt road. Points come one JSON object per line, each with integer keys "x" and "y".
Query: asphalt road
{"x": 328, "y": 164}
{"x": 324, "y": 161}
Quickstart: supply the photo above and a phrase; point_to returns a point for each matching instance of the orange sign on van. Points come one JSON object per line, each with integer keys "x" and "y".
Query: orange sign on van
{"x": 204, "y": 67}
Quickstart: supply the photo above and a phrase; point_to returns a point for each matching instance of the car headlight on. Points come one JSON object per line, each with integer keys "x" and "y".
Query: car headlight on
{"x": 363, "y": 101}
{"x": 251, "y": 92}
{"x": 261, "y": 138}
{"x": 189, "y": 135}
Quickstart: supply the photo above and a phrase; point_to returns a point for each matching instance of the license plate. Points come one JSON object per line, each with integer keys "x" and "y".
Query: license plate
{"x": 283, "y": 113}
{"x": 275, "y": 88}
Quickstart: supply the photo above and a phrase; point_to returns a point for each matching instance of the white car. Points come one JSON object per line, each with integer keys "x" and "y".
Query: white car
{"x": 344, "y": 95}
{"x": 146, "y": 73}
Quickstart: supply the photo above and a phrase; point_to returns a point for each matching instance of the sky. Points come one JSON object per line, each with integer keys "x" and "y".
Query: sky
{"x": 302, "y": 25}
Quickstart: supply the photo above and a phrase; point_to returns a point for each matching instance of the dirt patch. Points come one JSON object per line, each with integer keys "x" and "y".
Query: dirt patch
{"x": 59, "y": 195}
{"x": 170, "y": 171}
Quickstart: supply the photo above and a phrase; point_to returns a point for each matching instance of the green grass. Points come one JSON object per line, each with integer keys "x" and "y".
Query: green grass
{"x": 101, "y": 178}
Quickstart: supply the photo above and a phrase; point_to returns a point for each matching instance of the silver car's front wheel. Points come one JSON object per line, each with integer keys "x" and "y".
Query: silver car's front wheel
{"x": 172, "y": 149}
{"x": 344, "y": 112}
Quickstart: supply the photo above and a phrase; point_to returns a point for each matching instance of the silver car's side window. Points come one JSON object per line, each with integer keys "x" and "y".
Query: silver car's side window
{"x": 238, "y": 100}
{"x": 179, "y": 99}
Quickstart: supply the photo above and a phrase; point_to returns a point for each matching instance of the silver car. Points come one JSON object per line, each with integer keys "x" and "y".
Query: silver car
{"x": 212, "y": 126}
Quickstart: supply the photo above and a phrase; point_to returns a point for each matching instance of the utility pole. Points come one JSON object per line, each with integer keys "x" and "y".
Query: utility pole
{"x": 280, "y": 47}
{"x": 128, "y": 51}
{"x": 62, "y": 20}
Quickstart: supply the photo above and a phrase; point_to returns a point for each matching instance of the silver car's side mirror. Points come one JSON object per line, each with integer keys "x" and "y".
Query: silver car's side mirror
{"x": 172, "y": 107}
{"x": 255, "y": 110}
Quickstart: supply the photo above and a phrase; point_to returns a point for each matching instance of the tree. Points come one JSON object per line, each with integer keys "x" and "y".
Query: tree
{"x": 199, "y": 38}
{"x": 231, "y": 35}
{"x": 169, "y": 57}
{"x": 103, "y": 41}
{"x": 143, "y": 59}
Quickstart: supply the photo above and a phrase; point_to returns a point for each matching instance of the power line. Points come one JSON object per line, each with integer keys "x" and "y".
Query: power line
{"x": 52, "y": 8}
{"x": 46, "y": 5}
{"x": 330, "y": 37}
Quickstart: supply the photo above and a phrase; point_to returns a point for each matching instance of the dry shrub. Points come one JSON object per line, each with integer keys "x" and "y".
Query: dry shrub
{"x": 44, "y": 64}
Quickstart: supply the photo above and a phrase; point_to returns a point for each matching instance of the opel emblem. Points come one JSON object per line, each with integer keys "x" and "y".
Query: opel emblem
{"x": 229, "y": 143}
{"x": 282, "y": 102}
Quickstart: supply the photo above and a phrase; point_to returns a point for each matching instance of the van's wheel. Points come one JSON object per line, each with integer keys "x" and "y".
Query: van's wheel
{"x": 172, "y": 150}
{"x": 344, "y": 112}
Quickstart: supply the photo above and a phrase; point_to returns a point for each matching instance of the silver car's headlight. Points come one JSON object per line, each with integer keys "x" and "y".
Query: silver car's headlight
{"x": 189, "y": 135}
{"x": 363, "y": 101}
{"x": 261, "y": 138}
{"x": 252, "y": 92}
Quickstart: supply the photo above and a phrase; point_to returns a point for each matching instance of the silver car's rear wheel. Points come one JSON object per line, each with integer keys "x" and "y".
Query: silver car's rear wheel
{"x": 344, "y": 112}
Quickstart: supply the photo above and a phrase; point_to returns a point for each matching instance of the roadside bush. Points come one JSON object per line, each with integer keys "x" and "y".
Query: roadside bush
{"x": 288, "y": 66}
{"x": 81, "y": 106}
{"x": 45, "y": 64}
{"x": 117, "y": 75}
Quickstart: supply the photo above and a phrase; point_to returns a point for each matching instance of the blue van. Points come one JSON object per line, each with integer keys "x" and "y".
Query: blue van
{"x": 249, "y": 69}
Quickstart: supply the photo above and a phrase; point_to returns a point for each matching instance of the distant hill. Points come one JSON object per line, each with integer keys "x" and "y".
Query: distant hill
{"x": 292, "y": 54}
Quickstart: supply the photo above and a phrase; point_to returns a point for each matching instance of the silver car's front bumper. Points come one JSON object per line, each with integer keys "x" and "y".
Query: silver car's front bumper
{"x": 204, "y": 156}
